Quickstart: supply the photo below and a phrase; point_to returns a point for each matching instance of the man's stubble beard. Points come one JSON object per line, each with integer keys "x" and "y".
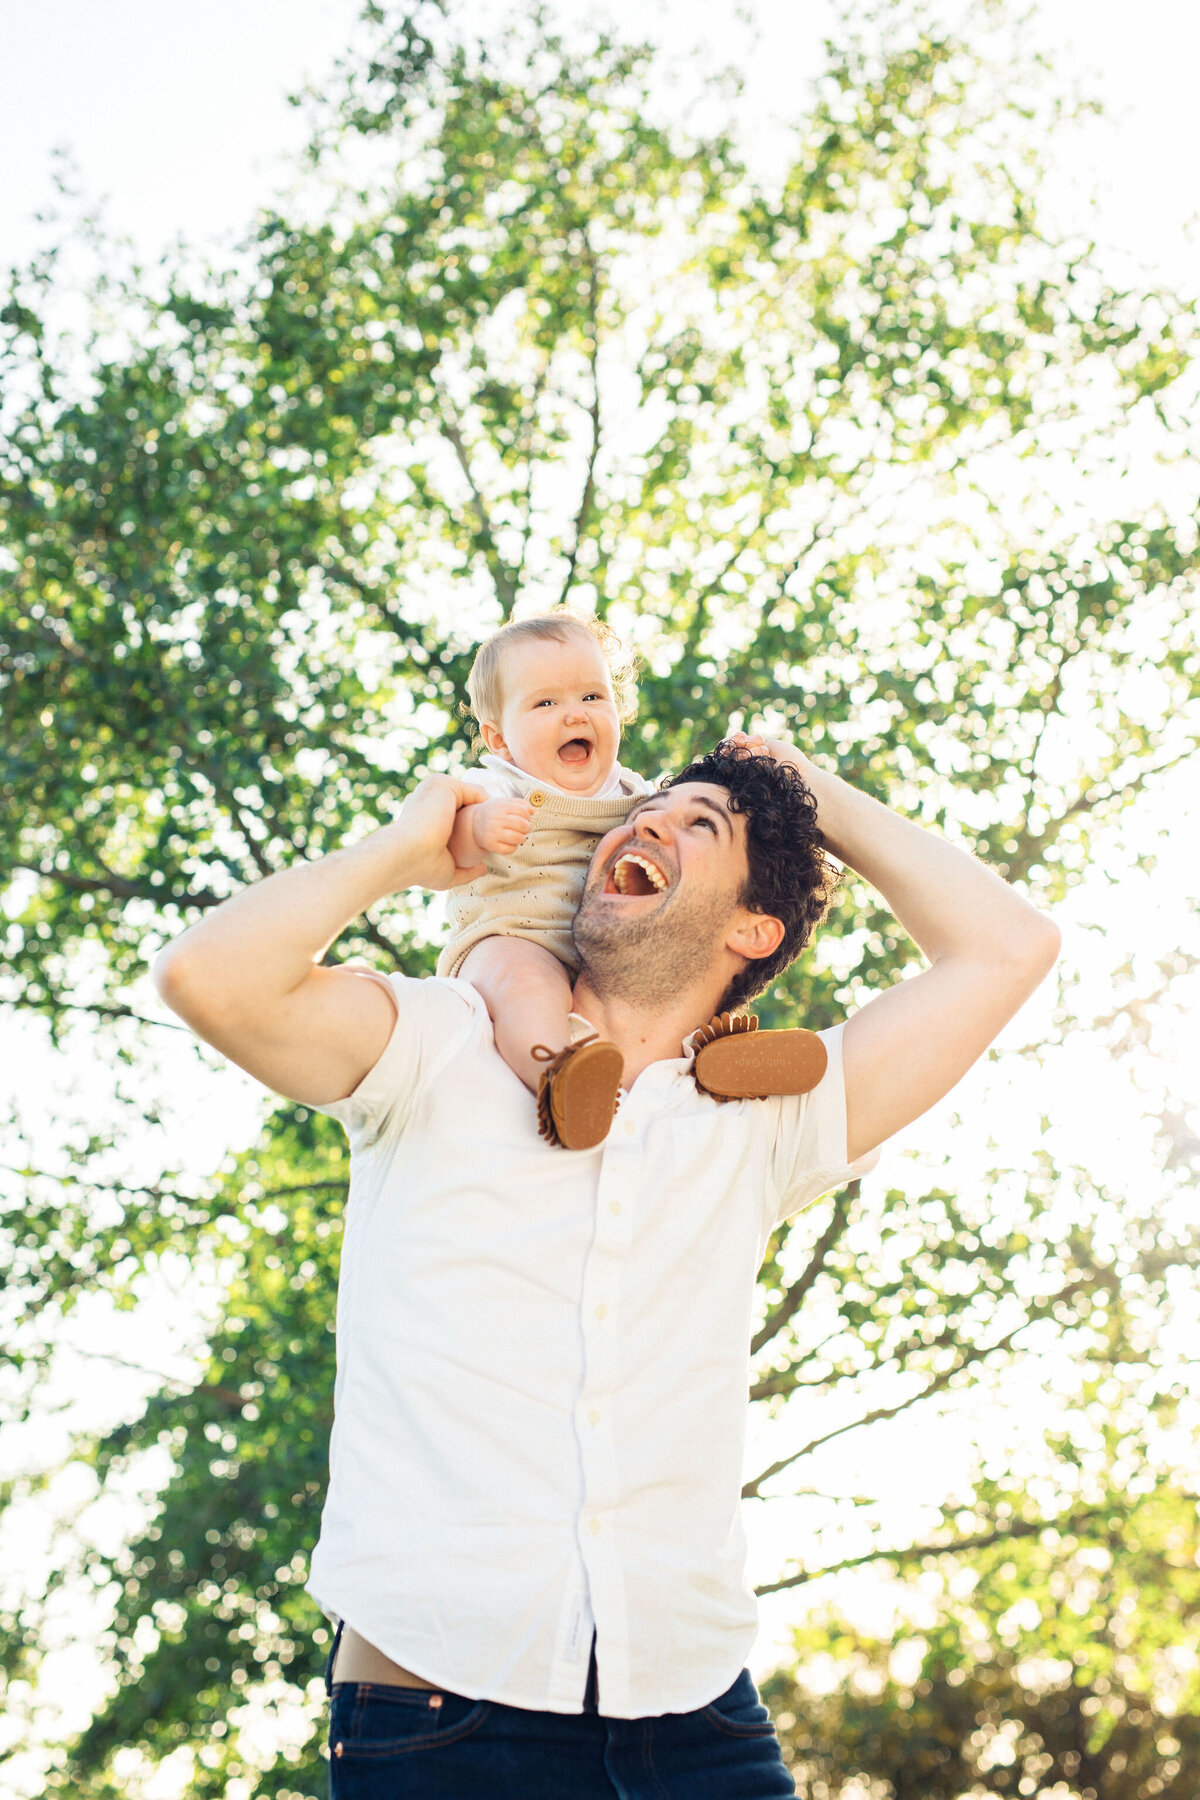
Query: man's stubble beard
{"x": 646, "y": 962}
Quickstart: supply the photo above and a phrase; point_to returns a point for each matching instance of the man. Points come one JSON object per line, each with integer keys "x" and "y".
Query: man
{"x": 532, "y": 1535}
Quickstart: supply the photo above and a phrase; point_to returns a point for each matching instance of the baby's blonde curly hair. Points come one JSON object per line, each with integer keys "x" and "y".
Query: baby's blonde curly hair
{"x": 485, "y": 683}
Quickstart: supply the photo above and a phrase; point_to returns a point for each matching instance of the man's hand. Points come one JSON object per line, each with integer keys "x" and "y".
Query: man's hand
{"x": 494, "y": 828}
{"x": 753, "y": 743}
{"x": 433, "y": 821}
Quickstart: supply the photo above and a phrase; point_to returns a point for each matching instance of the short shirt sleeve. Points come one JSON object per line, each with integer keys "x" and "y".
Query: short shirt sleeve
{"x": 809, "y": 1150}
{"x": 432, "y": 1019}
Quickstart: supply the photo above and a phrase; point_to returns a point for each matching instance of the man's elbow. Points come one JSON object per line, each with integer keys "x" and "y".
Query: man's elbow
{"x": 182, "y": 982}
{"x": 1038, "y": 948}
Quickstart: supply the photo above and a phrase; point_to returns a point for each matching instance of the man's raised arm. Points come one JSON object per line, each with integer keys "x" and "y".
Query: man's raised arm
{"x": 987, "y": 947}
{"x": 246, "y": 978}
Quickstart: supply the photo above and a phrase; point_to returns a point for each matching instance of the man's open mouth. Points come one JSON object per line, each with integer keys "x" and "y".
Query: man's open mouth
{"x": 576, "y": 751}
{"x": 634, "y": 875}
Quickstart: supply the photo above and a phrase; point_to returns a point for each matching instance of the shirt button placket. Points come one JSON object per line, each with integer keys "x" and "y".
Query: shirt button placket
{"x": 603, "y": 1272}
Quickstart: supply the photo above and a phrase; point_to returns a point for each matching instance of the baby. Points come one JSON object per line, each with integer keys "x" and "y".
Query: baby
{"x": 549, "y": 695}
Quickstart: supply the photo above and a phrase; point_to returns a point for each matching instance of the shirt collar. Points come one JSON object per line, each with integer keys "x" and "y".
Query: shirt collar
{"x": 583, "y": 1028}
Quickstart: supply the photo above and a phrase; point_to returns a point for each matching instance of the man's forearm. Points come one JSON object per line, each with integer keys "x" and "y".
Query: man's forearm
{"x": 987, "y": 947}
{"x": 247, "y": 980}
{"x": 947, "y": 901}
{"x": 263, "y": 941}
{"x": 259, "y": 946}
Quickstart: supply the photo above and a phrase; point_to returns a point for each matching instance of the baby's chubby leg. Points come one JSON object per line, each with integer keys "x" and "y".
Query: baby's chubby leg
{"x": 528, "y": 994}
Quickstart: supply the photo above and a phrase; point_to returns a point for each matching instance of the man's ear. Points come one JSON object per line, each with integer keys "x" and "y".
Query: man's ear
{"x": 755, "y": 935}
{"x": 493, "y": 737}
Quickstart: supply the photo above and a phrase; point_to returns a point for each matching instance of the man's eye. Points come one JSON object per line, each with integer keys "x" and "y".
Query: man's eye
{"x": 703, "y": 819}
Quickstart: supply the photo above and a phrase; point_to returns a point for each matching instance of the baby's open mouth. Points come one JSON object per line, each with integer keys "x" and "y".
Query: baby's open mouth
{"x": 634, "y": 874}
{"x": 575, "y": 750}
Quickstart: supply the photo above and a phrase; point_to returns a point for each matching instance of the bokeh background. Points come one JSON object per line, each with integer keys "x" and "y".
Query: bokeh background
{"x": 846, "y": 360}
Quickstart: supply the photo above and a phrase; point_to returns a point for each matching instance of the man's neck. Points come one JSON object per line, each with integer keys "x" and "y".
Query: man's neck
{"x": 642, "y": 1036}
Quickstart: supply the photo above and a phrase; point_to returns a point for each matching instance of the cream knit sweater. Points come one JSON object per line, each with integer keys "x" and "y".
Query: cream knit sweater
{"x": 534, "y": 892}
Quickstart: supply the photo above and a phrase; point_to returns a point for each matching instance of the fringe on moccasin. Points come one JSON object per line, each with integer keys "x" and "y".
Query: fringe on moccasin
{"x": 726, "y": 1024}
{"x": 554, "y": 1061}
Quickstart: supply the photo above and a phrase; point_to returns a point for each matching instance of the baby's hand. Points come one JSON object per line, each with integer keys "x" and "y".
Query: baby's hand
{"x": 501, "y": 826}
{"x": 781, "y": 750}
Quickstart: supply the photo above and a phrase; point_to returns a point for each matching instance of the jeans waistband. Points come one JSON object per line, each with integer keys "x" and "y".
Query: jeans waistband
{"x": 591, "y": 1692}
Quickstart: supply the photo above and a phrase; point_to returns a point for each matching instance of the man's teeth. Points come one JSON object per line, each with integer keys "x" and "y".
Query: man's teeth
{"x": 621, "y": 873}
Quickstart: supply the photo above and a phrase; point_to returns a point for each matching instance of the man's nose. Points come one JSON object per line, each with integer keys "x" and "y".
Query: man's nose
{"x": 653, "y": 826}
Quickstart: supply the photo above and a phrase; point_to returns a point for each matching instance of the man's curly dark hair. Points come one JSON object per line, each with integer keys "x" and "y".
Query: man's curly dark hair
{"x": 790, "y": 877}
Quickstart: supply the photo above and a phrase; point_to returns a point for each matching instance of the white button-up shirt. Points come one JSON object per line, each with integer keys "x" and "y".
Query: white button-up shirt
{"x": 543, "y": 1358}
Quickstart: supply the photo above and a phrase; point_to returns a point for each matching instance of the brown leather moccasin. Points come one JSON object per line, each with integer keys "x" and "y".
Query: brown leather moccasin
{"x": 578, "y": 1092}
{"x": 737, "y": 1061}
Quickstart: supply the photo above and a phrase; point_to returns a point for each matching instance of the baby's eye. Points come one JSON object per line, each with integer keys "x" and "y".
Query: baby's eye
{"x": 538, "y": 703}
{"x": 595, "y": 696}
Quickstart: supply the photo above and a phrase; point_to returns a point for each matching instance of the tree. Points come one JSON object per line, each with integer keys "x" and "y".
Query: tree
{"x": 1067, "y": 1657}
{"x": 800, "y": 437}
{"x": 1043, "y": 1630}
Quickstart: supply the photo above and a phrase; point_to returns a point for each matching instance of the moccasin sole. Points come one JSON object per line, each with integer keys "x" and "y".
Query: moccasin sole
{"x": 583, "y": 1095}
{"x": 749, "y": 1065}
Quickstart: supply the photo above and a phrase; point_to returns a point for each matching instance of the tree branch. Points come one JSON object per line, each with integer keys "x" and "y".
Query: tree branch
{"x": 1030, "y": 848}
{"x": 99, "y": 1012}
{"x": 1020, "y": 1528}
{"x": 784, "y": 1381}
{"x": 160, "y": 1193}
{"x": 695, "y": 630}
{"x": 589, "y": 484}
{"x": 237, "y": 815}
{"x": 1048, "y": 706}
{"x": 527, "y": 526}
{"x": 780, "y": 1382}
{"x": 123, "y": 1362}
{"x": 752, "y": 1489}
{"x": 116, "y": 885}
{"x": 796, "y": 1295}
{"x": 968, "y": 1356}
{"x": 502, "y": 580}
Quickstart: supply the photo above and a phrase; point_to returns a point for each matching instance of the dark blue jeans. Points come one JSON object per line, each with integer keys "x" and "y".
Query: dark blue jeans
{"x": 392, "y": 1743}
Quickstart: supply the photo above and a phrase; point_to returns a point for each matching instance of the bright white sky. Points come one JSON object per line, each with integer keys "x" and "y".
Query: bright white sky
{"x": 176, "y": 115}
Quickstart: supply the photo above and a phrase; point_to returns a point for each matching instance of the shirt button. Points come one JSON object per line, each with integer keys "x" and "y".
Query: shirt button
{"x": 537, "y": 799}
{"x": 593, "y": 1417}
{"x": 602, "y": 1312}
{"x": 594, "y": 1527}
{"x": 614, "y": 1207}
